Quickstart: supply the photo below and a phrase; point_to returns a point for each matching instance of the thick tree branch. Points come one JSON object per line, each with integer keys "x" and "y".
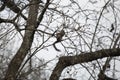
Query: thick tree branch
{"x": 2, "y": 7}
{"x": 11, "y": 4}
{"x": 32, "y": 25}
{"x": 82, "y": 58}
{"x": 26, "y": 44}
{"x": 43, "y": 11}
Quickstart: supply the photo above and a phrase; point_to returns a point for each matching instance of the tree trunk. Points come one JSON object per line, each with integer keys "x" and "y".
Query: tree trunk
{"x": 26, "y": 44}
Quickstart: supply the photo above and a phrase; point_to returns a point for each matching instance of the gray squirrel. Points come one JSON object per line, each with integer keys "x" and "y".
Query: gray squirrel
{"x": 59, "y": 37}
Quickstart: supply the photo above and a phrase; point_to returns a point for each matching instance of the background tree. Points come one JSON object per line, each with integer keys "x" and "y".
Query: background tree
{"x": 92, "y": 33}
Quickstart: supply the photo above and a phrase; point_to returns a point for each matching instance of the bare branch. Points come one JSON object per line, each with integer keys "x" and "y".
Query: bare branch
{"x": 82, "y": 58}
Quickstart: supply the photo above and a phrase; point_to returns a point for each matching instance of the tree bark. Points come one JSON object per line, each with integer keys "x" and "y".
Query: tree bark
{"x": 82, "y": 58}
{"x": 26, "y": 44}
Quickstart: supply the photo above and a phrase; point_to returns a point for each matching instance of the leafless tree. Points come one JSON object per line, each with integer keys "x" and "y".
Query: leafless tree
{"x": 91, "y": 39}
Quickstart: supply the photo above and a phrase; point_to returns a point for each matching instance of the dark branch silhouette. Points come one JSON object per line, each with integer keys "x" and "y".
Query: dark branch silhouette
{"x": 59, "y": 37}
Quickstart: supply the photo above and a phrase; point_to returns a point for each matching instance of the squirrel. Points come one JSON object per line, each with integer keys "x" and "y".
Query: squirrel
{"x": 59, "y": 38}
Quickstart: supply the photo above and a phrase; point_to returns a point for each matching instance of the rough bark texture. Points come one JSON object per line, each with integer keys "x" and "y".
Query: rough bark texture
{"x": 26, "y": 44}
{"x": 82, "y": 58}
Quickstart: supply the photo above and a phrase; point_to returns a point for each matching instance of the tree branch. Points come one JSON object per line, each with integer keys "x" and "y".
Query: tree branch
{"x": 66, "y": 61}
{"x": 11, "y": 4}
{"x": 26, "y": 44}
